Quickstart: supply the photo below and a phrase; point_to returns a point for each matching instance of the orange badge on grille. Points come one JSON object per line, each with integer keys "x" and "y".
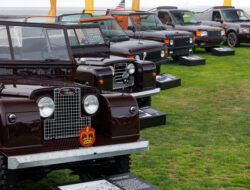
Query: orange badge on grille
{"x": 87, "y": 136}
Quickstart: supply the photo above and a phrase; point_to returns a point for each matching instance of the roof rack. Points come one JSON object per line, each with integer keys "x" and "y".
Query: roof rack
{"x": 167, "y": 7}
{"x": 223, "y": 7}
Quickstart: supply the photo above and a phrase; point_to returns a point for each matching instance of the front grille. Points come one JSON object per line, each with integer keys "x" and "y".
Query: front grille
{"x": 153, "y": 55}
{"x": 67, "y": 121}
{"x": 120, "y": 69}
{"x": 178, "y": 42}
{"x": 214, "y": 33}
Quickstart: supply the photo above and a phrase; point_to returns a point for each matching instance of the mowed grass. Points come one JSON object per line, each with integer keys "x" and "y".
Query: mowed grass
{"x": 206, "y": 141}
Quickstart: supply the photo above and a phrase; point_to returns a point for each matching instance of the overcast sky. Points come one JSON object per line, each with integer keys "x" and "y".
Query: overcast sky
{"x": 145, "y": 4}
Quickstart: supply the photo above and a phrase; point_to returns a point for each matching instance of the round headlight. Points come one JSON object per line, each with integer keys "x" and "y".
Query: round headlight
{"x": 46, "y": 107}
{"x": 190, "y": 40}
{"x": 137, "y": 57}
{"x": 171, "y": 42}
{"x": 91, "y": 104}
{"x": 131, "y": 68}
{"x": 112, "y": 70}
{"x": 163, "y": 53}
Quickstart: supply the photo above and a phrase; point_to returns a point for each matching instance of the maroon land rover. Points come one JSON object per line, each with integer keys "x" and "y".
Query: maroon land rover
{"x": 91, "y": 50}
{"x": 236, "y": 23}
{"x": 146, "y": 25}
{"x": 205, "y": 36}
{"x": 50, "y": 122}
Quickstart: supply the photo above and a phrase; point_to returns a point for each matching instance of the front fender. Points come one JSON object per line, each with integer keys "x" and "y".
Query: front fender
{"x": 27, "y": 130}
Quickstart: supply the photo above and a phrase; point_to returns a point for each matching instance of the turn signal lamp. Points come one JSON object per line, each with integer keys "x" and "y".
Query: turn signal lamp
{"x": 193, "y": 38}
{"x": 198, "y": 33}
{"x": 101, "y": 82}
{"x": 166, "y": 41}
{"x": 154, "y": 74}
{"x": 166, "y": 51}
{"x": 131, "y": 57}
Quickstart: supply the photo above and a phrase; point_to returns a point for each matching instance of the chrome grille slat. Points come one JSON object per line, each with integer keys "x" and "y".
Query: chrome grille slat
{"x": 214, "y": 33}
{"x": 120, "y": 69}
{"x": 67, "y": 121}
{"x": 181, "y": 42}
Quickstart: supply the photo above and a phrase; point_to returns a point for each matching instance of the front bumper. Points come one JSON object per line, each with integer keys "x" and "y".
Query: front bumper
{"x": 146, "y": 93}
{"x": 180, "y": 51}
{"x": 204, "y": 42}
{"x": 76, "y": 155}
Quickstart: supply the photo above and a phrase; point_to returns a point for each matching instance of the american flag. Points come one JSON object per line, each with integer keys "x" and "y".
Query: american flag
{"x": 121, "y": 5}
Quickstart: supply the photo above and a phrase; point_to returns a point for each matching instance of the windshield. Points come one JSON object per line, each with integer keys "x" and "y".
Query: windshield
{"x": 33, "y": 43}
{"x": 147, "y": 22}
{"x": 235, "y": 15}
{"x": 112, "y": 30}
{"x": 184, "y": 17}
{"x": 73, "y": 17}
{"x": 85, "y": 36}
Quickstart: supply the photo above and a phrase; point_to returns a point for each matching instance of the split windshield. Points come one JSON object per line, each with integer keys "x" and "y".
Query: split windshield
{"x": 147, "y": 22}
{"x": 33, "y": 43}
{"x": 111, "y": 29}
{"x": 184, "y": 17}
{"x": 85, "y": 36}
{"x": 235, "y": 16}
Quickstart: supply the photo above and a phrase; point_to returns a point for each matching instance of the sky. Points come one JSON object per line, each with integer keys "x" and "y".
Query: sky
{"x": 145, "y": 4}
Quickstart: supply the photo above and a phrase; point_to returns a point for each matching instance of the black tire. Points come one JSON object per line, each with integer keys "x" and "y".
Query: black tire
{"x": 232, "y": 39}
{"x": 4, "y": 175}
{"x": 122, "y": 164}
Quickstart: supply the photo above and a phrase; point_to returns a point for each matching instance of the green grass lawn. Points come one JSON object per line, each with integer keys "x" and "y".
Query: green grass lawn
{"x": 206, "y": 141}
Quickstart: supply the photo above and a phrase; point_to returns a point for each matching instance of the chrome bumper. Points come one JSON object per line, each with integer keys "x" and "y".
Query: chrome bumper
{"x": 146, "y": 93}
{"x": 76, "y": 155}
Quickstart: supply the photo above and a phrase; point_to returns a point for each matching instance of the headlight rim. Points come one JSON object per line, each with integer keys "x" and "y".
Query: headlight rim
{"x": 137, "y": 57}
{"x": 129, "y": 70}
{"x": 83, "y": 104}
{"x": 53, "y": 107}
{"x": 163, "y": 54}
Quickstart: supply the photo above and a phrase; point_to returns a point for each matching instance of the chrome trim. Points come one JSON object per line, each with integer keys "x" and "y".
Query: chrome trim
{"x": 76, "y": 155}
{"x": 146, "y": 93}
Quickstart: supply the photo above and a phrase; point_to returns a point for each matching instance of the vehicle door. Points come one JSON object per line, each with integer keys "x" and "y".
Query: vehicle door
{"x": 166, "y": 19}
{"x": 217, "y": 19}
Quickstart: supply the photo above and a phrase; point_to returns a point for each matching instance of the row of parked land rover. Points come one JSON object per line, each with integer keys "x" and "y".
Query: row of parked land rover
{"x": 76, "y": 92}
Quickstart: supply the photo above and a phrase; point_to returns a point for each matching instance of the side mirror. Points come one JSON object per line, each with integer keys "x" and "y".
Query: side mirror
{"x": 131, "y": 28}
{"x": 218, "y": 20}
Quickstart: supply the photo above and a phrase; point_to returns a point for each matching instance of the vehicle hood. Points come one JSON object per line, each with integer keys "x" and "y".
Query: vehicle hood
{"x": 165, "y": 34}
{"x": 193, "y": 28}
{"x": 107, "y": 61}
{"x": 23, "y": 90}
{"x": 133, "y": 47}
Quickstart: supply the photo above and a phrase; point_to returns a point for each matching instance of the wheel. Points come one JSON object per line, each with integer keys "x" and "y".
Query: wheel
{"x": 232, "y": 39}
{"x": 5, "y": 182}
{"x": 121, "y": 165}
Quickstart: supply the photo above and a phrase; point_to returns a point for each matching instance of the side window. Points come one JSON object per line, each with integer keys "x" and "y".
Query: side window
{"x": 4, "y": 44}
{"x": 216, "y": 15}
{"x": 164, "y": 17}
{"x": 122, "y": 21}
